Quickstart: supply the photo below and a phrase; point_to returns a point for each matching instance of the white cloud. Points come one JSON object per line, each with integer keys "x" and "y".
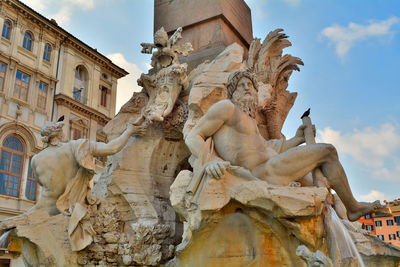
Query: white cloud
{"x": 126, "y": 85}
{"x": 85, "y": 4}
{"x": 369, "y": 146}
{"x": 64, "y": 8}
{"x": 63, "y": 16}
{"x": 37, "y": 5}
{"x": 345, "y": 37}
{"x": 374, "y": 195}
{"x": 258, "y": 8}
{"x": 388, "y": 173}
{"x": 374, "y": 148}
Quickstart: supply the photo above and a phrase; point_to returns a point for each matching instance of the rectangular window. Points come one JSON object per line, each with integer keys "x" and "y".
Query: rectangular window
{"x": 21, "y": 87}
{"x": 392, "y": 237}
{"x": 397, "y": 219}
{"x": 31, "y": 183}
{"x": 381, "y": 237}
{"x": 389, "y": 222}
{"x": 3, "y": 68}
{"x": 6, "y": 33}
{"x": 47, "y": 52}
{"x": 42, "y": 95}
{"x": 398, "y": 233}
{"x": 104, "y": 96}
{"x": 370, "y": 227}
{"x": 378, "y": 223}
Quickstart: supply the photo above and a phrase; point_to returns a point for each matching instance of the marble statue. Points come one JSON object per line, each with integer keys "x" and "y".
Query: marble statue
{"x": 168, "y": 78}
{"x": 237, "y": 141}
{"x": 65, "y": 171}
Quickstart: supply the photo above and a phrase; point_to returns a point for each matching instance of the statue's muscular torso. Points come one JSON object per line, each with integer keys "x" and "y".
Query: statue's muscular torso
{"x": 55, "y": 166}
{"x": 238, "y": 140}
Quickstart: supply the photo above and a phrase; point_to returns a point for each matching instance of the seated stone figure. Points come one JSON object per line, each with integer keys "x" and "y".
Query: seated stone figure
{"x": 64, "y": 169}
{"x": 237, "y": 141}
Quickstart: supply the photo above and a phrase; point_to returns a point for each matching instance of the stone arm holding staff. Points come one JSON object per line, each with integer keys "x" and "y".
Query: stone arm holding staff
{"x": 237, "y": 141}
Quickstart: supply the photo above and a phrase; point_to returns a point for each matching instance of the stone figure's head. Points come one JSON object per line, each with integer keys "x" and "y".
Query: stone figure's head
{"x": 161, "y": 38}
{"x": 243, "y": 90}
{"x": 52, "y": 133}
{"x": 242, "y": 82}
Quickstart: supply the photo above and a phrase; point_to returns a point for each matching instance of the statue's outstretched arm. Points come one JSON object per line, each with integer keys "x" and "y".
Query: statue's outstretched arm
{"x": 115, "y": 145}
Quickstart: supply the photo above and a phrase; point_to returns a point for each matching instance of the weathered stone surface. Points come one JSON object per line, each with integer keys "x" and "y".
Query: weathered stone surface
{"x": 291, "y": 201}
{"x": 208, "y": 82}
{"x": 374, "y": 251}
{"x": 126, "y": 259}
{"x": 316, "y": 259}
{"x": 111, "y": 237}
{"x": 46, "y": 237}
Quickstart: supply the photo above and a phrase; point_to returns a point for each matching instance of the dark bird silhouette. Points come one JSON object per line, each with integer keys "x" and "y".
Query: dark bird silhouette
{"x": 306, "y": 114}
{"x": 61, "y": 118}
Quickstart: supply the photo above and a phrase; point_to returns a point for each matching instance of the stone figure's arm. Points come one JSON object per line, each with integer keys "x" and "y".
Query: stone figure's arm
{"x": 297, "y": 140}
{"x": 115, "y": 145}
{"x": 209, "y": 124}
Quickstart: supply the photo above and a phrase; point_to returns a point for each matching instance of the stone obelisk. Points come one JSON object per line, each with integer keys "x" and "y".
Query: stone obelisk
{"x": 209, "y": 25}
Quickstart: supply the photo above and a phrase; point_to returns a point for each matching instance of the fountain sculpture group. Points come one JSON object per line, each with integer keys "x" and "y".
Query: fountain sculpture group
{"x": 199, "y": 174}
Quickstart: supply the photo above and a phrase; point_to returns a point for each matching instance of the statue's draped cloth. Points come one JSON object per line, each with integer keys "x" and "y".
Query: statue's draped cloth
{"x": 77, "y": 196}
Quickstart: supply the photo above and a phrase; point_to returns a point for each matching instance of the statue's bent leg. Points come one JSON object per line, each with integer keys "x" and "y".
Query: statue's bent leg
{"x": 293, "y": 164}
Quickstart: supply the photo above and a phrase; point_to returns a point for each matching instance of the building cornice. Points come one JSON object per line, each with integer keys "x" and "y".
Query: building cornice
{"x": 64, "y": 100}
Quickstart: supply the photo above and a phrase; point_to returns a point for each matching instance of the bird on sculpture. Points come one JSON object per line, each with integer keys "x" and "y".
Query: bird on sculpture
{"x": 306, "y": 114}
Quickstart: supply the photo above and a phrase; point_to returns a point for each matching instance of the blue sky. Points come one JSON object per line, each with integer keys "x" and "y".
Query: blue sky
{"x": 351, "y": 77}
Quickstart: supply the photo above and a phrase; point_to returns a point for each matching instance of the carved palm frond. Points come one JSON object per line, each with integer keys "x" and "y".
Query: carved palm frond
{"x": 272, "y": 68}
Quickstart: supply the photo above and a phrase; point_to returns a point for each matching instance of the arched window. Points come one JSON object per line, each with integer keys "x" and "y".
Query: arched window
{"x": 80, "y": 84}
{"x": 47, "y": 52}
{"x": 6, "y": 33}
{"x": 28, "y": 40}
{"x": 11, "y": 166}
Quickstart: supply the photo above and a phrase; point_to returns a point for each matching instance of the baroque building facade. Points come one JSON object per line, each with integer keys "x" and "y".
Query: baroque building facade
{"x": 384, "y": 223}
{"x": 45, "y": 73}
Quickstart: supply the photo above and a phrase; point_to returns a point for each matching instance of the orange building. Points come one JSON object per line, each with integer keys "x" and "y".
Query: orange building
{"x": 384, "y": 223}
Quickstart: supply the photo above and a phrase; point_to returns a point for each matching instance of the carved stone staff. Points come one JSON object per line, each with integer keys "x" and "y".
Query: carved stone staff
{"x": 318, "y": 177}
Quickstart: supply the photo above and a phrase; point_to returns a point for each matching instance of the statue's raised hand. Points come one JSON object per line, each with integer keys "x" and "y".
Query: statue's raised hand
{"x": 135, "y": 129}
{"x": 216, "y": 169}
{"x": 300, "y": 131}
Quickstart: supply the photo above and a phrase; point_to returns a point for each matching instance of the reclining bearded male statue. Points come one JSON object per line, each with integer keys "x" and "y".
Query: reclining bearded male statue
{"x": 237, "y": 141}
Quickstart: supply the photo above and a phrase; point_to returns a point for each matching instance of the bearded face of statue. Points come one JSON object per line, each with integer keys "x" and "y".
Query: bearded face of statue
{"x": 245, "y": 96}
